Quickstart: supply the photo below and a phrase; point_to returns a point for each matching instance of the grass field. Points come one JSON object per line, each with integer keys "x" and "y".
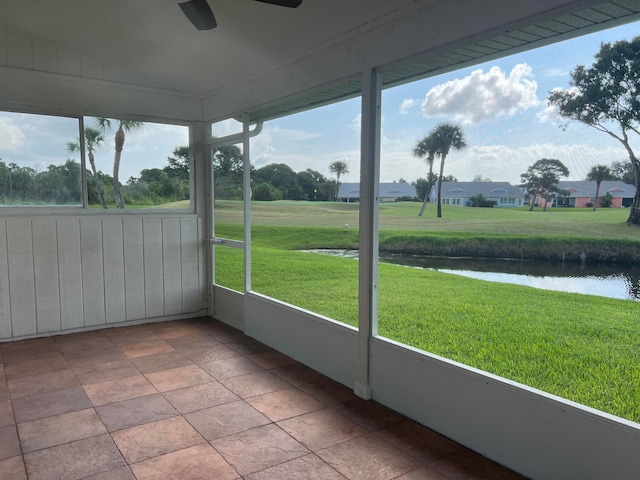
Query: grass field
{"x": 584, "y": 348}
{"x": 603, "y": 223}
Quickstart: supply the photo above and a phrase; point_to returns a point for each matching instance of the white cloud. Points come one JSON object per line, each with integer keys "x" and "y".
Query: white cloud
{"x": 279, "y": 145}
{"x": 481, "y": 96}
{"x": 11, "y": 136}
{"x": 551, "y": 114}
{"x": 356, "y": 123}
{"x": 407, "y": 104}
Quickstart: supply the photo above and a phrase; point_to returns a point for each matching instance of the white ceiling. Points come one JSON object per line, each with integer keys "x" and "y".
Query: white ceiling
{"x": 154, "y": 38}
{"x": 143, "y": 57}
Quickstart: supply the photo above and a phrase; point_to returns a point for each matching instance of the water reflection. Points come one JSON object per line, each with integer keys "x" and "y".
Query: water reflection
{"x": 622, "y": 282}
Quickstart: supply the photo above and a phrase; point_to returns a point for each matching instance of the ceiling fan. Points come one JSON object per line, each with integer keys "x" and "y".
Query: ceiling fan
{"x": 199, "y": 12}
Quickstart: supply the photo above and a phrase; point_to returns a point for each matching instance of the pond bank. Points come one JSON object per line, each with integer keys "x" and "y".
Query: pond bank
{"x": 517, "y": 247}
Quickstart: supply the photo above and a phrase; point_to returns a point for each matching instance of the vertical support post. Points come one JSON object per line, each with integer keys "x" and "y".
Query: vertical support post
{"x": 201, "y": 195}
{"x": 246, "y": 182}
{"x": 83, "y": 164}
{"x": 369, "y": 206}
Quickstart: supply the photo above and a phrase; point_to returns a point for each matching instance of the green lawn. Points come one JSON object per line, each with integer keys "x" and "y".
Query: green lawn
{"x": 583, "y": 348}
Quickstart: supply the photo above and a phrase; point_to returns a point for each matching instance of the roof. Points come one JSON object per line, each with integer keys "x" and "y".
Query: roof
{"x": 616, "y": 188}
{"x": 97, "y": 57}
{"x": 387, "y": 190}
{"x": 471, "y": 189}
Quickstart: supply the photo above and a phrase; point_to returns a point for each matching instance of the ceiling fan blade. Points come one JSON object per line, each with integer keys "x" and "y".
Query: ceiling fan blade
{"x": 283, "y": 3}
{"x": 199, "y": 13}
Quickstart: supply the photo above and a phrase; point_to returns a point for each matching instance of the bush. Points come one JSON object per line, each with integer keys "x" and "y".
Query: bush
{"x": 480, "y": 201}
{"x": 606, "y": 201}
{"x": 407, "y": 199}
{"x": 266, "y": 192}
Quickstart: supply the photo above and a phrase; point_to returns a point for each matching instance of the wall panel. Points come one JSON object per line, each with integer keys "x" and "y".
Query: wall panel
{"x": 22, "y": 289}
{"x": 5, "y": 306}
{"x": 134, "y": 268}
{"x": 191, "y": 295}
{"x": 47, "y": 284}
{"x": 172, "y": 266}
{"x": 92, "y": 271}
{"x": 153, "y": 268}
{"x": 113, "y": 247}
{"x": 68, "y": 272}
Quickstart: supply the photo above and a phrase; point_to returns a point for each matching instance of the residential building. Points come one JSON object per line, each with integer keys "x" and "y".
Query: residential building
{"x": 389, "y": 192}
{"x": 460, "y": 193}
{"x": 583, "y": 193}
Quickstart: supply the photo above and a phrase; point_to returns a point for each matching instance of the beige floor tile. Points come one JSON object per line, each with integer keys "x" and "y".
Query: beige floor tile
{"x": 156, "y": 438}
{"x": 75, "y": 460}
{"x": 144, "y": 349}
{"x": 286, "y": 403}
{"x": 199, "y": 397}
{"x": 321, "y": 429}
{"x": 65, "y": 428}
{"x": 103, "y": 372}
{"x": 259, "y": 448}
{"x": 161, "y": 361}
{"x": 9, "y": 443}
{"x": 135, "y": 411}
{"x": 113, "y": 391}
{"x": 49, "y": 404}
{"x": 177, "y": 378}
{"x": 12, "y": 469}
{"x": 195, "y": 463}
{"x": 254, "y": 384}
{"x": 227, "y": 419}
{"x": 368, "y": 457}
{"x": 309, "y": 467}
{"x": 42, "y": 383}
{"x": 271, "y": 359}
{"x": 6, "y": 414}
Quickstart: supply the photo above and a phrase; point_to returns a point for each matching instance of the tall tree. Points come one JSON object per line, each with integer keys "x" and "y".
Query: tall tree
{"x": 598, "y": 174}
{"x": 178, "y": 167}
{"x": 606, "y": 97}
{"x": 622, "y": 171}
{"x": 92, "y": 139}
{"x": 446, "y": 136}
{"x": 541, "y": 179}
{"x": 119, "y": 138}
{"x": 427, "y": 147}
{"x": 339, "y": 168}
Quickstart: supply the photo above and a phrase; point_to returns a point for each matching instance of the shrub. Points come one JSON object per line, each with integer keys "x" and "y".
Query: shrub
{"x": 480, "y": 201}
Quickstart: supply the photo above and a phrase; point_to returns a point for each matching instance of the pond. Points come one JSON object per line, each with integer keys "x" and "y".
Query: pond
{"x": 622, "y": 282}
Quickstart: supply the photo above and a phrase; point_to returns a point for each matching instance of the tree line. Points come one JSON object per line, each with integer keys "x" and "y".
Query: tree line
{"x": 276, "y": 181}
{"x": 62, "y": 184}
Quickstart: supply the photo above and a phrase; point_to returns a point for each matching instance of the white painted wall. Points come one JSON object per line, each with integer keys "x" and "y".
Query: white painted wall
{"x": 67, "y": 272}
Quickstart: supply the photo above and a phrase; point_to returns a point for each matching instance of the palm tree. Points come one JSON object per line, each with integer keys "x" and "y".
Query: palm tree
{"x": 339, "y": 168}
{"x": 123, "y": 126}
{"x": 426, "y": 147}
{"x": 445, "y": 137}
{"x": 598, "y": 174}
{"x": 92, "y": 139}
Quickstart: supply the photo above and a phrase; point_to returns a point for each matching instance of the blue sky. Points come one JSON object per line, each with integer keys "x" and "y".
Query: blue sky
{"x": 501, "y": 106}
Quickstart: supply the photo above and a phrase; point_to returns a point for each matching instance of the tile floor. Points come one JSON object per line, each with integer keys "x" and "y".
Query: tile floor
{"x": 196, "y": 399}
